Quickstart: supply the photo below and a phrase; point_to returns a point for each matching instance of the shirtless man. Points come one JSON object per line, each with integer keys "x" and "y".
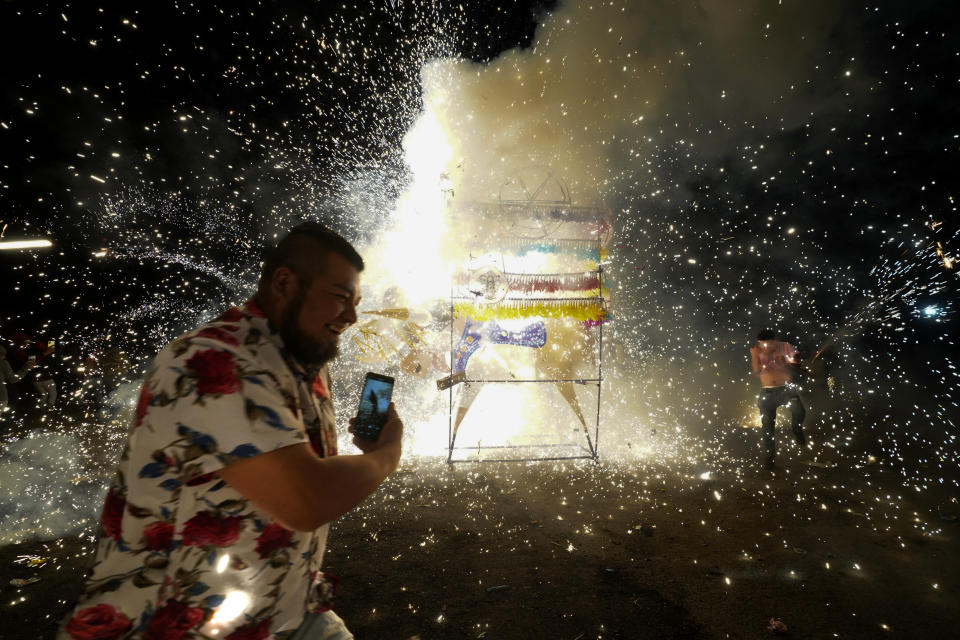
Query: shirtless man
{"x": 772, "y": 360}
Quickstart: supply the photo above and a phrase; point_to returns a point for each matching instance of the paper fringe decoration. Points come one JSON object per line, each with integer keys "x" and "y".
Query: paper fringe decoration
{"x": 583, "y": 310}
{"x": 394, "y": 314}
{"x": 528, "y": 283}
{"x": 583, "y": 249}
{"x": 547, "y": 285}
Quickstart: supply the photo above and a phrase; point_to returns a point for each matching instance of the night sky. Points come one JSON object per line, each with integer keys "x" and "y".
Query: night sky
{"x": 232, "y": 126}
{"x": 766, "y": 164}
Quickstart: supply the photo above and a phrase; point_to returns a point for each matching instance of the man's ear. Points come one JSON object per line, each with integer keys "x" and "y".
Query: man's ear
{"x": 283, "y": 284}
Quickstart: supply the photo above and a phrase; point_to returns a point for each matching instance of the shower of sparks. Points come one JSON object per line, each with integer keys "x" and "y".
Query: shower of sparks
{"x": 735, "y": 207}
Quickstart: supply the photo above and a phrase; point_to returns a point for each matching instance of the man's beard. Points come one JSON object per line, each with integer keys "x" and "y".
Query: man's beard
{"x": 311, "y": 355}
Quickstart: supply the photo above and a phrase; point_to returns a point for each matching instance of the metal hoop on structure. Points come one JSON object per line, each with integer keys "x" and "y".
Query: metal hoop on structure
{"x": 531, "y": 203}
{"x": 529, "y": 219}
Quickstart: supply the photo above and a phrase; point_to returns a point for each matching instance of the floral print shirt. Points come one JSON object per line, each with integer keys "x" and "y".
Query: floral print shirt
{"x": 181, "y": 554}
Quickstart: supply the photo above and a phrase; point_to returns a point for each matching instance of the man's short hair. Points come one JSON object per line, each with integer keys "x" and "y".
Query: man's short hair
{"x": 304, "y": 251}
{"x": 767, "y": 334}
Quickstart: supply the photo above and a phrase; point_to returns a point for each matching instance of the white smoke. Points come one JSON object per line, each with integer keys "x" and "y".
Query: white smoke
{"x": 51, "y": 481}
{"x": 46, "y": 492}
{"x": 604, "y": 84}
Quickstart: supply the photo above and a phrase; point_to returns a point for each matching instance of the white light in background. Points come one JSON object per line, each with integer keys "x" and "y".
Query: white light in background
{"x": 24, "y": 244}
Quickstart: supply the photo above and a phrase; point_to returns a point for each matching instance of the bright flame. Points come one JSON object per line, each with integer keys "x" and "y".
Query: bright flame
{"x": 501, "y": 415}
{"x": 430, "y": 436}
{"x": 414, "y": 247}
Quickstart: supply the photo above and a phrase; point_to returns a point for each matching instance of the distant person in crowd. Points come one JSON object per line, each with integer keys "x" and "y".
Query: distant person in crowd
{"x": 9, "y": 377}
{"x": 114, "y": 367}
{"x": 773, "y": 361}
{"x": 17, "y": 356}
{"x": 19, "y": 349}
{"x": 42, "y": 379}
{"x": 93, "y": 385}
{"x": 24, "y": 395}
{"x": 215, "y": 524}
{"x": 104, "y": 369}
{"x": 68, "y": 371}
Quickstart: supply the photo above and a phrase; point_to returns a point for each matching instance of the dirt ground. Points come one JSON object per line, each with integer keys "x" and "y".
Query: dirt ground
{"x": 580, "y": 549}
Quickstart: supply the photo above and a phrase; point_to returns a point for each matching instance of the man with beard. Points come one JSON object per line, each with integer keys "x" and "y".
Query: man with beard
{"x": 216, "y": 521}
{"x": 772, "y": 361}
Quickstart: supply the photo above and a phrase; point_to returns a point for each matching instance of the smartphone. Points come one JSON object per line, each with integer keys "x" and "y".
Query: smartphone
{"x": 374, "y": 401}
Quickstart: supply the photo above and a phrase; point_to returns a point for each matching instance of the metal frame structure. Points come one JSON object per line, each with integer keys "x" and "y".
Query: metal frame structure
{"x": 591, "y": 451}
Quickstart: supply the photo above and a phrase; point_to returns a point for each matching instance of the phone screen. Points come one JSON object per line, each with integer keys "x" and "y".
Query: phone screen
{"x": 374, "y": 401}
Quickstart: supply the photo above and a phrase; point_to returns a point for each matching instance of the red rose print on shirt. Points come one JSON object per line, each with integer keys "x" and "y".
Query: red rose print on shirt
{"x": 253, "y": 631}
{"x": 102, "y": 622}
{"x": 216, "y": 372}
{"x": 319, "y": 389}
{"x": 216, "y": 333}
{"x": 233, "y": 314}
{"x": 143, "y": 403}
{"x": 255, "y": 310}
{"x": 158, "y": 535}
{"x": 172, "y": 621}
{"x": 273, "y": 537}
{"x": 112, "y": 515}
{"x": 205, "y": 529}
{"x": 205, "y": 478}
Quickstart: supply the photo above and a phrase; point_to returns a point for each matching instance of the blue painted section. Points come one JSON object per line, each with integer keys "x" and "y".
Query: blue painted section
{"x": 533, "y": 335}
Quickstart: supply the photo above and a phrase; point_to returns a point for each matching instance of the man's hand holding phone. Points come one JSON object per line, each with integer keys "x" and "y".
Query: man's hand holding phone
{"x": 389, "y": 440}
{"x": 376, "y": 428}
{"x": 392, "y": 431}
